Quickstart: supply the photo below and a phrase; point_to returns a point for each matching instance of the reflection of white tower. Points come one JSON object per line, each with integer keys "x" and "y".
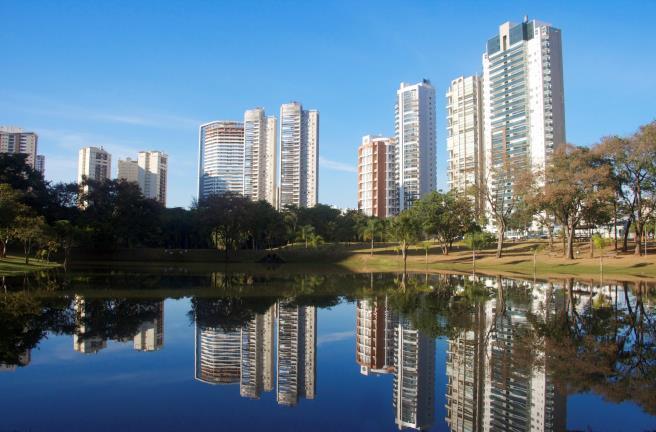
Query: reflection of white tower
{"x": 517, "y": 392}
{"x": 81, "y": 343}
{"x": 296, "y": 353}
{"x": 150, "y": 336}
{"x": 218, "y": 356}
{"x": 268, "y": 348}
{"x": 257, "y": 355}
{"x": 464, "y": 369}
{"x": 414, "y": 380}
{"x": 252, "y": 335}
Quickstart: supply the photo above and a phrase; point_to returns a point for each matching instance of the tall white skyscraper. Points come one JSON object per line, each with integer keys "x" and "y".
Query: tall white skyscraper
{"x": 94, "y": 163}
{"x": 149, "y": 172}
{"x": 271, "y": 162}
{"x": 523, "y": 103}
{"x": 464, "y": 142}
{"x": 415, "y": 137}
{"x": 255, "y": 144}
{"x": 221, "y": 158}
{"x": 17, "y": 140}
{"x": 299, "y": 155}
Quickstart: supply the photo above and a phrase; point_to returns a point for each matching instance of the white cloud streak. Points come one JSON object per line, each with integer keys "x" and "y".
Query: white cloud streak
{"x": 336, "y": 166}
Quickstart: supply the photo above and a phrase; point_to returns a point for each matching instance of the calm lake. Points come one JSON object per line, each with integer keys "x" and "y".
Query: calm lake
{"x": 120, "y": 350}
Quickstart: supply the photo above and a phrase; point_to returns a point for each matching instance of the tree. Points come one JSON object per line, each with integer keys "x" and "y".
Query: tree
{"x": 577, "y": 182}
{"x": 10, "y": 208}
{"x": 406, "y": 230}
{"x": 65, "y": 233}
{"x": 477, "y": 240}
{"x": 633, "y": 160}
{"x": 445, "y": 216}
{"x": 369, "y": 231}
{"x": 534, "y": 203}
{"x": 499, "y": 191}
{"x": 226, "y": 217}
{"x": 28, "y": 230}
{"x": 304, "y": 233}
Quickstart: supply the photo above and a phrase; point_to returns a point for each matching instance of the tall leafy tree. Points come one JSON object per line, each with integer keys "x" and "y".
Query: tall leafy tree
{"x": 406, "y": 230}
{"x": 634, "y": 167}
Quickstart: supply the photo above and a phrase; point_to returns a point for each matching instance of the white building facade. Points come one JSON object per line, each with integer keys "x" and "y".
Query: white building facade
{"x": 415, "y": 137}
{"x": 149, "y": 171}
{"x": 94, "y": 164}
{"x": 523, "y": 103}
{"x": 464, "y": 142}
{"x": 299, "y": 156}
{"x": 221, "y": 158}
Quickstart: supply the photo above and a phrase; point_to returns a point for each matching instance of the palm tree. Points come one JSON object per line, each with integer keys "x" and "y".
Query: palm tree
{"x": 406, "y": 230}
{"x": 304, "y": 232}
{"x": 370, "y": 230}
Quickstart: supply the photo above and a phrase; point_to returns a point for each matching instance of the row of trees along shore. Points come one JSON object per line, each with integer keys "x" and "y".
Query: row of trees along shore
{"x": 580, "y": 190}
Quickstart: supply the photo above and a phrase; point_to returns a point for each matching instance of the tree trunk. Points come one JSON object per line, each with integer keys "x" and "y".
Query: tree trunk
{"x": 615, "y": 223}
{"x": 638, "y": 236}
{"x": 625, "y": 240}
{"x": 26, "y": 249}
{"x": 591, "y": 244}
{"x": 570, "y": 241}
{"x": 404, "y": 252}
{"x": 372, "y": 245}
{"x": 550, "y": 229}
{"x": 501, "y": 233}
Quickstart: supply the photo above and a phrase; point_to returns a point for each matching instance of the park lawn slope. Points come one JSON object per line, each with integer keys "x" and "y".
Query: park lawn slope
{"x": 13, "y": 265}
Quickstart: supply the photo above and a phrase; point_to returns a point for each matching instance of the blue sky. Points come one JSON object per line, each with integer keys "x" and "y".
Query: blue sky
{"x": 143, "y": 75}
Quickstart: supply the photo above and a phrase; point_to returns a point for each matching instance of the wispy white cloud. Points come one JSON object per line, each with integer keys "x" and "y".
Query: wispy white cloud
{"x": 334, "y": 337}
{"x": 39, "y": 106}
{"x": 336, "y": 166}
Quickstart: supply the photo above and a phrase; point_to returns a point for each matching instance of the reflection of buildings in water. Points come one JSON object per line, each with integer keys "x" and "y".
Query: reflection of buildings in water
{"x": 464, "y": 369}
{"x": 246, "y": 355}
{"x": 257, "y": 355}
{"x": 296, "y": 352}
{"x": 414, "y": 379}
{"x": 218, "y": 355}
{"x": 374, "y": 337}
{"x": 493, "y": 383}
{"x": 23, "y": 360}
{"x": 150, "y": 336}
{"x": 81, "y": 343}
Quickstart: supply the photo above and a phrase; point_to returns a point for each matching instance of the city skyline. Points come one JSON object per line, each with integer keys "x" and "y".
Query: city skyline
{"x": 69, "y": 110}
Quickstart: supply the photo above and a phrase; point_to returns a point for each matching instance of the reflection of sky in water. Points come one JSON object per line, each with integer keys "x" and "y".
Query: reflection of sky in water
{"x": 120, "y": 388}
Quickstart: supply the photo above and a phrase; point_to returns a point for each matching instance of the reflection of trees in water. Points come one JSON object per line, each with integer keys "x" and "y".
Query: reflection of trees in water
{"x": 604, "y": 340}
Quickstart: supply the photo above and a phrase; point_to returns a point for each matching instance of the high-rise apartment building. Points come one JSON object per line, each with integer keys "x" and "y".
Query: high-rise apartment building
{"x": 464, "y": 142}
{"x": 40, "y": 164}
{"x": 523, "y": 103}
{"x": 155, "y": 166}
{"x": 299, "y": 155}
{"x": 415, "y": 140}
{"x": 94, "y": 164}
{"x": 271, "y": 162}
{"x": 377, "y": 177}
{"x": 83, "y": 342}
{"x": 255, "y": 141}
{"x": 17, "y": 140}
{"x": 129, "y": 170}
{"x": 221, "y": 158}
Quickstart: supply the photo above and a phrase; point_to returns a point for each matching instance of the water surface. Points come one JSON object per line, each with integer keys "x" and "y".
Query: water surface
{"x": 120, "y": 350}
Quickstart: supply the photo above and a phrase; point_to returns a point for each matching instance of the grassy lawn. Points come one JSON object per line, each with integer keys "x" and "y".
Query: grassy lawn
{"x": 13, "y": 265}
{"x": 518, "y": 259}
